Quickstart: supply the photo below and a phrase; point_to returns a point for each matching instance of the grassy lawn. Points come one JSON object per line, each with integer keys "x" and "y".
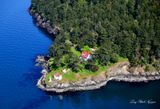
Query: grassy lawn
{"x": 51, "y": 74}
{"x": 84, "y": 73}
{"x": 75, "y": 51}
{"x": 121, "y": 59}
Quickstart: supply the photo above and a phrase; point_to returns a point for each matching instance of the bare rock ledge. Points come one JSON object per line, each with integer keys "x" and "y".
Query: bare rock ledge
{"x": 118, "y": 72}
{"x": 44, "y": 23}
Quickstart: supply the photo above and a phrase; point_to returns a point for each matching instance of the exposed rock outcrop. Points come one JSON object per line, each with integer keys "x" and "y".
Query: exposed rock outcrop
{"x": 43, "y": 62}
{"x": 45, "y": 24}
{"x": 119, "y": 72}
{"x": 123, "y": 72}
{"x": 77, "y": 86}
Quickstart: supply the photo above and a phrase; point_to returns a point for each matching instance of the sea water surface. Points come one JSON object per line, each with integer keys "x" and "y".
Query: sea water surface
{"x": 21, "y": 41}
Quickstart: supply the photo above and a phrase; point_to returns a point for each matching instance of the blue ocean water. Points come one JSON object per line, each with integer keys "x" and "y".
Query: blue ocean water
{"x": 21, "y": 41}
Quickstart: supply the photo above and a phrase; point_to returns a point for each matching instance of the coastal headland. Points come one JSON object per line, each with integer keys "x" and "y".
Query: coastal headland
{"x": 121, "y": 71}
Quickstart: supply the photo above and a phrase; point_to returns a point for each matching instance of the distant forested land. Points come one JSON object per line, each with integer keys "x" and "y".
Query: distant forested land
{"x": 125, "y": 28}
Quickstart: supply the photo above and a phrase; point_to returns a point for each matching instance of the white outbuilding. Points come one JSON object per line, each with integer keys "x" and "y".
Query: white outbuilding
{"x": 64, "y": 70}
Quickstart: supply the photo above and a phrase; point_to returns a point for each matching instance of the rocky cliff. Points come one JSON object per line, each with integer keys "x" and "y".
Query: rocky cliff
{"x": 119, "y": 72}
{"x": 45, "y": 24}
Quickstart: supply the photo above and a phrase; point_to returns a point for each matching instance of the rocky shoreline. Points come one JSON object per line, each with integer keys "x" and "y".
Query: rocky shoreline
{"x": 44, "y": 23}
{"x": 123, "y": 72}
{"x": 119, "y": 72}
{"x": 64, "y": 87}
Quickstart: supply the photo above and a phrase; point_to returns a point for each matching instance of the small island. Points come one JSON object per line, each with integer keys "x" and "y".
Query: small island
{"x": 96, "y": 41}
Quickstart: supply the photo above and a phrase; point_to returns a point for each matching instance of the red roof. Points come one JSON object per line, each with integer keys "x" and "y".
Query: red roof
{"x": 57, "y": 74}
{"x": 85, "y": 54}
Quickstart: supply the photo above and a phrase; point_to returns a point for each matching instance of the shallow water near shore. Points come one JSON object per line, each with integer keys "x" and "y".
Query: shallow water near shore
{"x": 21, "y": 41}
